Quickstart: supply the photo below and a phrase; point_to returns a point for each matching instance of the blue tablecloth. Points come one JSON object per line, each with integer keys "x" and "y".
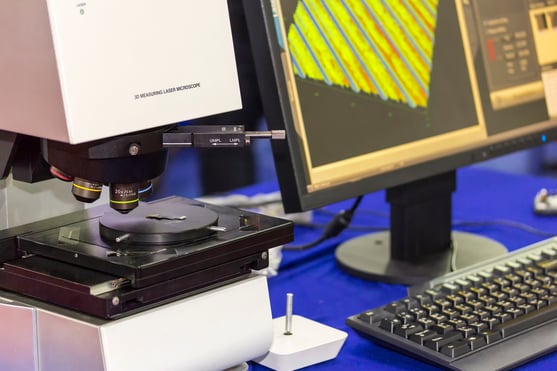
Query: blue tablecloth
{"x": 326, "y": 294}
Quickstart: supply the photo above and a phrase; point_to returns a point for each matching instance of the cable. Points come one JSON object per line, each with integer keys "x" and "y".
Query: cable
{"x": 338, "y": 224}
{"x": 506, "y": 223}
{"x": 377, "y": 213}
{"x": 352, "y": 227}
{"x": 461, "y": 223}
{"x": 457, "y": 223}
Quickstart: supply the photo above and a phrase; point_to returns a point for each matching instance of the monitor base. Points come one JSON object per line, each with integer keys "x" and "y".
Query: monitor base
{"x": 369, "y": 257}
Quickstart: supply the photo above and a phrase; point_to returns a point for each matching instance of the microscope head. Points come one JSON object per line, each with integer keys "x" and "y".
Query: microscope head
{"x": 99, "y": 82}
{"x": 126, "y": 164}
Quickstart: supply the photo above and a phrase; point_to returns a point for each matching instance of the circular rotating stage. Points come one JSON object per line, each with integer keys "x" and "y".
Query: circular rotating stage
{"x": 153, "y": 225}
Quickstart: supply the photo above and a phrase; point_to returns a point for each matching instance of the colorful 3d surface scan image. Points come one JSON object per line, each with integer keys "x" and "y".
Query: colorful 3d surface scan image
{"x": 380, "y": 48}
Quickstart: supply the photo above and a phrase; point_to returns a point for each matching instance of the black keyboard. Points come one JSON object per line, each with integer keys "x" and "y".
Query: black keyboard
{"x": 498, "y": 314}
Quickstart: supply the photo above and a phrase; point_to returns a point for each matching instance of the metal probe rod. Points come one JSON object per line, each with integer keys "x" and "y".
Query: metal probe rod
{"x": 288, "y": 316}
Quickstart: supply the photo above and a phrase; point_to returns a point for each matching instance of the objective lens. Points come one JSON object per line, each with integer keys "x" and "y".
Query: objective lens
{"x": 124, "y": 197}
{"x": 85, "y": 190}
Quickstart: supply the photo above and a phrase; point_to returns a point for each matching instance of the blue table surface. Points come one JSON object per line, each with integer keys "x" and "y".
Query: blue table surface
{"x": 326, "y": 294}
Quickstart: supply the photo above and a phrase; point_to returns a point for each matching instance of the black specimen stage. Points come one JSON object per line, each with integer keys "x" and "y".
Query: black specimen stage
{"x": 109, "y": 265}
{"x": 176, "y": 223}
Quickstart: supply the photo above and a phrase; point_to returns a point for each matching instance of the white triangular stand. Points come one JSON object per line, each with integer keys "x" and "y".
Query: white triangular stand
{"x": 300, "y": 342}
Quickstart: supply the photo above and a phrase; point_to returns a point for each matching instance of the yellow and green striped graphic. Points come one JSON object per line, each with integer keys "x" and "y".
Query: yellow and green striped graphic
{"x": 378, "y": 47}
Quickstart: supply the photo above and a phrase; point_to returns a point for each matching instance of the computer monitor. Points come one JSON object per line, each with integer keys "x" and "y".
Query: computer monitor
{"x": 397, "y": 95}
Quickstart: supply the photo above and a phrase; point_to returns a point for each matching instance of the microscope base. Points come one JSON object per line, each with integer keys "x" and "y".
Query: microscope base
{"x": 217, "y": 329}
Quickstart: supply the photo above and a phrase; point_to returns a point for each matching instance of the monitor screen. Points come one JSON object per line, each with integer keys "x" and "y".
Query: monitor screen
{"x": 383, "y": 94}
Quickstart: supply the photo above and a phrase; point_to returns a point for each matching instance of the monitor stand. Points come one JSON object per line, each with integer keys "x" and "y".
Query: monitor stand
{"x": 421, "y": 244}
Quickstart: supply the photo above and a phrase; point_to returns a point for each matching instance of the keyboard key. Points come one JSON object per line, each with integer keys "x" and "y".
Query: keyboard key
{"x": 407, "y": 329}
{"x": 389, "y": 324}
{"x": 442, "y": 328}
{"x": 423, "y": 299}
{"x": 478, "y": 326}
{"x": 504, "y": 304}
{"x": 492, "y": 322}
{"x": 439, "y": 318}
{"x": 479, "y": 291}
{"x": 499, "y": 295}
{"x": 426, "y": 322}
{"x": 422, "y": 336}
{"x": 551, "y": 288}
{"x": 522, "y": 287}
{"x": 463, "y": 309}
{"x": 455, "y": 299}
{"x": 469, "y": 318}
{"x": 502, "y": 282}
{"x": 449, "y": 288}
{"x": 491, "y": 336}
{"x": 523, "y": 274}
{"x": 490, "y": 287}
{"x": 513, "y": 278}
{"x": 450, "y": 313}
{"x": 545, "y": 280}
{"x": 548, "y": 265}
{"x": 443, "y": 304}
{"x": 503, "y": 317}
{"x": 476, "y": 342}
{"x": 438, "y": 342}
{"x": 405, "y": 317}
{"x": 467, "y": 331}
{"x": 487, "y": 300}
{"x": 486, "y": 276}
{"x": 528, "y": 296}
{"x": 510, "y": 291}
{"x": 456, "y": 349}
{"x": 539, "y": 292}
{"x": 466, "y": 295}
{"x": 536, "y": 271}
{"x": 433, "y": 294}
{"x": 515, "y": 312}
{"x": 525, "y": 261}
{"x": 481, "y": 314}
{"x": 418, "y": 313}
{"x": 538, "y": 304}
{"x": 457, "y": 323}
{"x": 410, "y": 303}
{"x": 464, "y": 284}
{"x": 370, "y": 317}
{"x": 549, "y": 254}
{"x": 501, "y": 270}
{"x": 517, "y": 300}
{"x": 474, "y": 280}
{"x": 395, "y": 308}
{"x": 493, "y": 309}
{"x": 431, "y": 308}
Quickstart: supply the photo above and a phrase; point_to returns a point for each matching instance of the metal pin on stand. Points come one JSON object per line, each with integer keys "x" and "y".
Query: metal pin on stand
{"x": 288, "y": 316}
{"x": 313, "y": 342}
